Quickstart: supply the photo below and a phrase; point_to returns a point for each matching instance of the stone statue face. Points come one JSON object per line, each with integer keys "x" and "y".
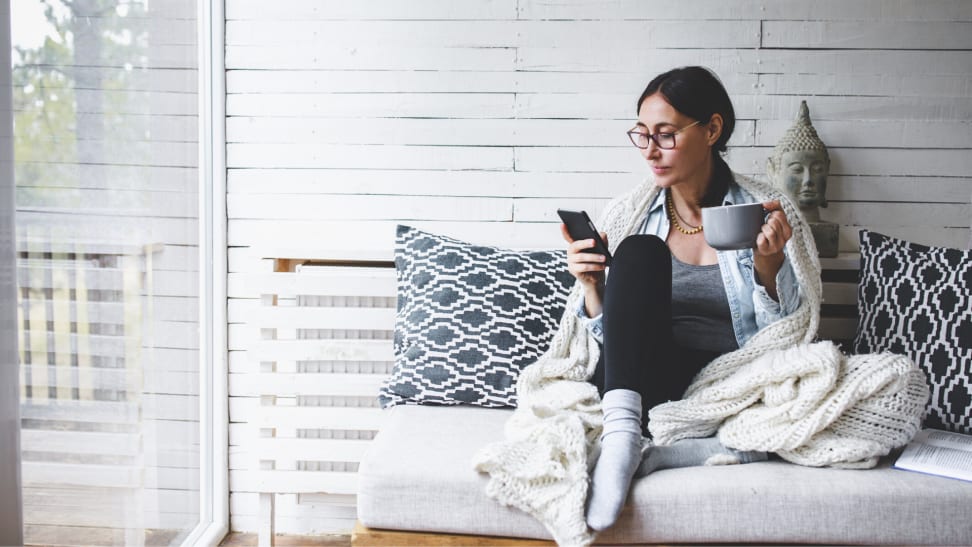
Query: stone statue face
{"x": 802, "y": 174}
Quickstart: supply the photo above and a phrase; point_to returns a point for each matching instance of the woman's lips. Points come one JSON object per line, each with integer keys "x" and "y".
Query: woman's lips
{"x": 658, "y": 169}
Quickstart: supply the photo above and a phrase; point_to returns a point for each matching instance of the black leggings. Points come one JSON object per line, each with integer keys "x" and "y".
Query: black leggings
{"x": 639, "y": 352}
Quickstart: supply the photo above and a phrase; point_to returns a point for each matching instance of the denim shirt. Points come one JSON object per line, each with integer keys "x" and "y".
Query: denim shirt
{"x": 750, "y": 306}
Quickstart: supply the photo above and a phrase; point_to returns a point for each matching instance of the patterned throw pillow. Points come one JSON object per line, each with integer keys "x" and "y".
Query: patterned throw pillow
{"x": 470, "y": 317}
{"x": 917, "y": 301}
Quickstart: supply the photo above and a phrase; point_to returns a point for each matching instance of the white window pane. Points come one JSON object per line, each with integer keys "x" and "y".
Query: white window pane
{"x": 106, "y": 147}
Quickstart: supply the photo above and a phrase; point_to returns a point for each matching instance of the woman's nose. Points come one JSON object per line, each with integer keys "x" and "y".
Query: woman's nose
{"x": 653, "y": 151}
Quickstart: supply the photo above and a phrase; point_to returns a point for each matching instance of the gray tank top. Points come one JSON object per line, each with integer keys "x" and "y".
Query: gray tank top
{"x": 700, "y": 309}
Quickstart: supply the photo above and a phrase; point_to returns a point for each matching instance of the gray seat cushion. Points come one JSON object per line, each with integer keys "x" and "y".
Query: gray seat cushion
{"x": 417, "y": 476}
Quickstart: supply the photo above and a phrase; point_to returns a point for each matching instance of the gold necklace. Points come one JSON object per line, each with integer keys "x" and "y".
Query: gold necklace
{"x": 674, "y": 217}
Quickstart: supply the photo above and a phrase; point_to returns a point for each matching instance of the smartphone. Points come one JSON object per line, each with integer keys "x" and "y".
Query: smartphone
{"x": 579, "y": 226}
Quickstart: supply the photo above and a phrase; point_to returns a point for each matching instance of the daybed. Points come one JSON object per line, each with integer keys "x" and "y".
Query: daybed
{"x": 417, "y": 475}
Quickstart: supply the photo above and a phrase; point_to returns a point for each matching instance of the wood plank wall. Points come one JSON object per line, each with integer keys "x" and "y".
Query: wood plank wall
{"x": 478, "y": 119}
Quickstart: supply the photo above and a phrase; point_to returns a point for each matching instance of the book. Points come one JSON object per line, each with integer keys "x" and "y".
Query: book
{"x": 938, "y": 453}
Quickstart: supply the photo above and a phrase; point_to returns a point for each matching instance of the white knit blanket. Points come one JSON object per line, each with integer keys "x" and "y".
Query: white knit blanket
{"x": 779, "y": 392}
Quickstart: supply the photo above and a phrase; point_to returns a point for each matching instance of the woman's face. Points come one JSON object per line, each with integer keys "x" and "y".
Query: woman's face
{"x": 693, "y": 149}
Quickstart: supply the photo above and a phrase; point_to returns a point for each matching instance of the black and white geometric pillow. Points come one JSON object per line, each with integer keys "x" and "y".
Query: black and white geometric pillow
{"x": 916, "y": 300}
{"x": 469, "y": 318}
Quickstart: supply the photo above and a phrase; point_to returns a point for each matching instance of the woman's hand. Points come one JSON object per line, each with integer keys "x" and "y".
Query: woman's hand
{"x": 768, "y": 256}
{"x": 588, "y": 268}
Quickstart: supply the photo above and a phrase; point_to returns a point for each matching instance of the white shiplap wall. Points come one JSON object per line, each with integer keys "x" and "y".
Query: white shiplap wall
{"x": 478, "y": 119}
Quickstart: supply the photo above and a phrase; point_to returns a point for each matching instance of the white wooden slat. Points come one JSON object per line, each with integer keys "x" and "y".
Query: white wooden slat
{"x": 899, "y": 214}
{"x": 294, "y": 481}
{"x": 336, "y": 450}
{"x": 323, "y": 318}
{"x": 435, "y": 183}
{"x": 164, "y": 154}
{"x": 294, "y": 82}
{"x": 362, "y": 156}
{"x": 843, "y": 261}
{"x": 129, "y": 177}
{"x": 369, "y": 207}
{"x": 843, "y": 161}
{"x": 375, "y": 239}
{"x": 67, "y": 378}
{"x": 161, "y": 57}
{"x": 312, "y": 384}
{"x": 921, "y": 35}
{"x": 152, "y": 128}
{"x": 326, "y": 280}
{"x": 875, "y": 134}
{"x": 94, "y": 515}
{"x": 291, "y": 36}
{"x": 317, "y": 350}
{"x": 761, "y": 107}
{"x": 300, "y": 10}
{"x": 108, "y": 476}
{"x": 956, "y": 238}
{"x": 82, "y": 411}
{"x": 393, "y": 34}
{"x": 903, "y": 214}
{"x": 757, "y": 61}
{"x": 898, "y": 84}
{"x": 373, "y": 105}
{"x": 129, "y": 102}
{"x": 112, "y": 476}
{"x": 310, "y": 417}
{"x": 320, "y": 523}
{"x": 168, "y": 204}
{"x": 840, "y": 293}
{"x": 916, "y": 62}
{"x": 241, "y": 82}
{"x": 165, "y": 405}
{"x": 54, "y": 498}
{"x": 863, "y": 10}
{"x": 79, "y": 442}
{"x": 797, "y": 10}
{"x": 169, "y": 80}
{"x": 170, "y": 334}
{"x": 466, "y": 132}
{"x": 92, "y": 225}
{"x": 370, "y": 57}
{"x": 837, "y": 328}
{"x": 293, "y": 517}
{"x": 646, "y": 62}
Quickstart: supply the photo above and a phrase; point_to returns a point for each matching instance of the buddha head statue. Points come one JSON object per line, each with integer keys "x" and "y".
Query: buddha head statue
{"x": 799, "y": 166}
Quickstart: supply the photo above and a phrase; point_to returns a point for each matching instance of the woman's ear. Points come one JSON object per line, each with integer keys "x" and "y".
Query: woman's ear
{"x": 714, "y": 128}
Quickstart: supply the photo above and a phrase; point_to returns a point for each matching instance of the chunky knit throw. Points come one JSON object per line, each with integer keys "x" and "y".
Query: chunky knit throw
{"x": 780, "y": 392}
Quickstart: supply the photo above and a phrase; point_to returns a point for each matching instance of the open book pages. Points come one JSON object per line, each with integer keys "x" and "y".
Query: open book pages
{"x": 938, "y": 453}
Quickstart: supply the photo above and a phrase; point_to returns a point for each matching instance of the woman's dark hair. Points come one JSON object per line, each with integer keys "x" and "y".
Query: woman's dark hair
{"x": 697, "y": 93}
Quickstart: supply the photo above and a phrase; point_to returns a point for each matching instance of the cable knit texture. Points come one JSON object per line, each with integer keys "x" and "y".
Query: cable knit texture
{"x": 780, "y": 392}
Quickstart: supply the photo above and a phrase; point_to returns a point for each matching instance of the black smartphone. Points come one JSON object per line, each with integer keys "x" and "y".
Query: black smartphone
{"x": 579, "y": 226}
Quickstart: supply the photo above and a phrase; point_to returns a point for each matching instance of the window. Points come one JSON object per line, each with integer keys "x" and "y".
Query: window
{"x": 115, "y": 307}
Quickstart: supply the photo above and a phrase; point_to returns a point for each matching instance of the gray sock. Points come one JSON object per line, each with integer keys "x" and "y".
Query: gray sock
{"x": 619, "y": 459}
{"x": 690, "y": 452}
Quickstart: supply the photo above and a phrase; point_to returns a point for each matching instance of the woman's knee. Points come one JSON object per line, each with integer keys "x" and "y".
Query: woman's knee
{"x": 641, "y": 249}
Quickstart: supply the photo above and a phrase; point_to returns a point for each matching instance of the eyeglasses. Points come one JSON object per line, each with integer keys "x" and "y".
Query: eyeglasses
{"x": 665, "y": 141}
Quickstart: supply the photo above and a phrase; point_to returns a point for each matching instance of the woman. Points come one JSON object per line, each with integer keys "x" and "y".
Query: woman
{"x": 672, "y": 303}
{"x": 669, "y": 305}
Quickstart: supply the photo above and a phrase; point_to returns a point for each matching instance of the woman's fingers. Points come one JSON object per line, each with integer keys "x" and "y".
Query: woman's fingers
{"x": 776, "y": 231}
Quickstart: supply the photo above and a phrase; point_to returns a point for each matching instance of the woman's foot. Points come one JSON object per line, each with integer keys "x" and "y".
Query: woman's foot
{"x": 619, "y": 459}
{"x": 691, "y": 452}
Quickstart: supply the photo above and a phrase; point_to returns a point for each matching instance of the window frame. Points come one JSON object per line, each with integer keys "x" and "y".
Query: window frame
{"x": 213, "y": 351}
